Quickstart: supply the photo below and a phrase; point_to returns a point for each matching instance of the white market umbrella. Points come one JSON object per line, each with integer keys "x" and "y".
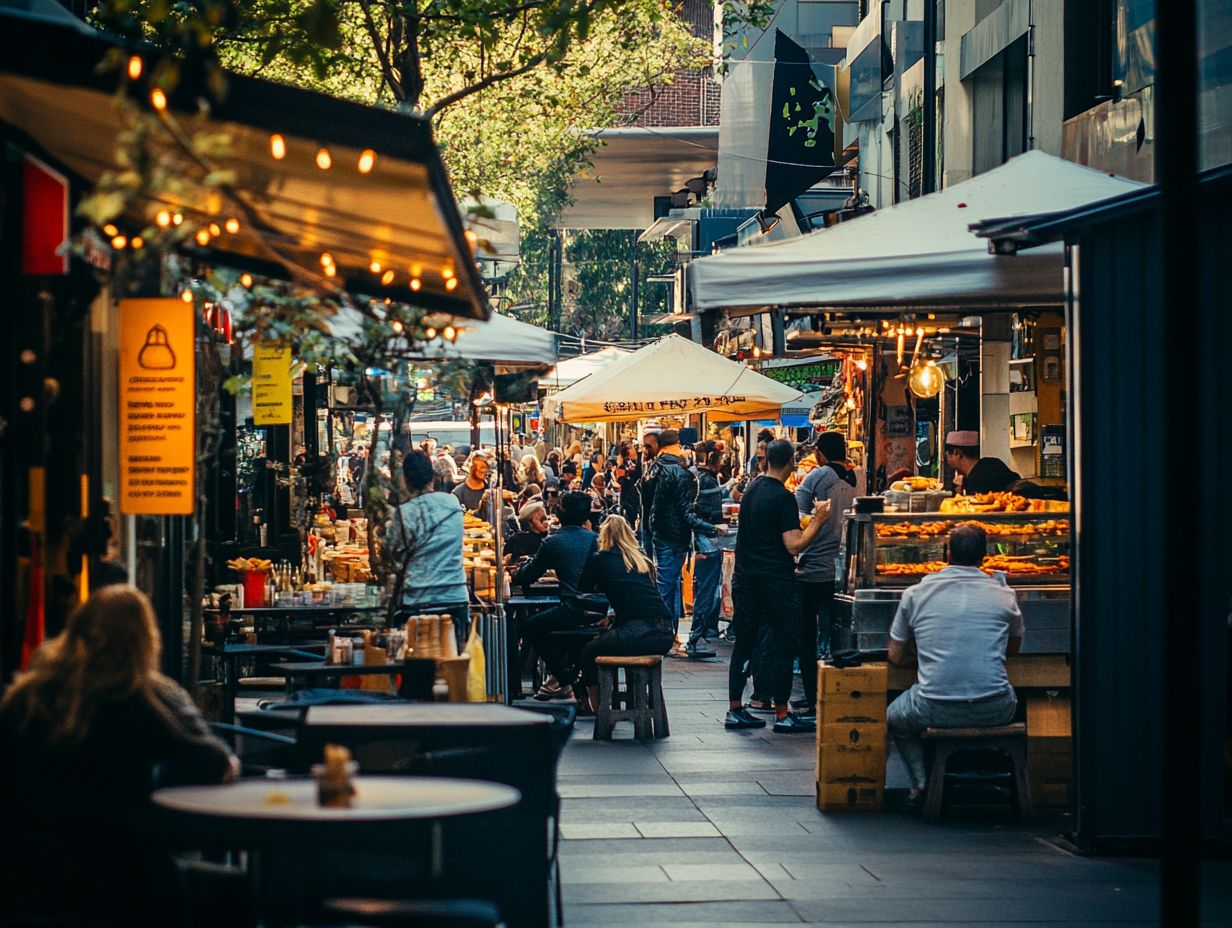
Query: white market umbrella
{"x": 571, "y": 370}
{"x": 501, "y": 340}
{"x": 670, "y": 377}
{"x": 917, "y": 253}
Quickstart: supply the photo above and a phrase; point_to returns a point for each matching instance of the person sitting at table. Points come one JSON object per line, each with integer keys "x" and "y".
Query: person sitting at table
{"x": 87, "y": 733}
{"x": 566, "y": 553}
{"x": 641, "y": 625}
{"x": 962, "y": 624}
{"x": 533, "y": 522}
{"x": 424, "y": 536}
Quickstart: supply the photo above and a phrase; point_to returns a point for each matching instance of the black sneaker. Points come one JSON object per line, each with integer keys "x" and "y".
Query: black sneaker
{"x": 740, "y": 718}
{"x": 803, "y": 705}
{"x": 700, "y": 650}
{"x": 794, "y": 725}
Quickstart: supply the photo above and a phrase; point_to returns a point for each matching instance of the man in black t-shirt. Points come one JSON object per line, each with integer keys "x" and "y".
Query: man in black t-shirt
{"x": 764, "y": 588}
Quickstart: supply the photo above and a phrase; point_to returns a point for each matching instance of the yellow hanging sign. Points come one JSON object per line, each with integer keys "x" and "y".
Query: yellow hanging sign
{"x": 158, "y": 392}
{"x": 271, "y": 385}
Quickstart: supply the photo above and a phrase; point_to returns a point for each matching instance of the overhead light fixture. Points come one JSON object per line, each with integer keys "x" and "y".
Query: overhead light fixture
{"x": 767, "y": 222}
{"x": 926, "y": 379}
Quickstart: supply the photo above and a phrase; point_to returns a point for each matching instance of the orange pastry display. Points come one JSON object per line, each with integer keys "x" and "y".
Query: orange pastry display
{"x": 937, "y": 529}
{"x": 1023, "y": 566}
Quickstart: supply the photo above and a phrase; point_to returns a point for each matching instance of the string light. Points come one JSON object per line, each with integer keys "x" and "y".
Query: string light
{"x": 278, "y": 147}
{"x": 177, "y": 219}
{"x": 367, "y": 160}
{"x": 449, "y": 333}
{"x": 447, "y": 272}
{"x": 375, "y": 267}
{"x": 324, "y": 159}
{"x": 186, "y": 295}
{"x": 415, "y": 284}
{"x": 396, "y": 326}
{"x": 331, "y": 270}
{"x": 388, "y": 277}
{"x": 430, "y": 332}
{"x": 203, "y": 237}
{"x": 326, "y": 259}
{"x": 451, "y": 284}
{"x": 137, "y": 242}
{"x": 246, "y": 280}
{"x": 471, "y": 239}
{"x": 158, "y": 99}
{"x": 110, "y": 230}
{"x": 417, "y": 270}
{"x": 232, "y": 225}
{"x": 899, "y": 352}
{"x": 135, "y": 67}
{"x": 215, "y": 229}
{"x": 163, "y": 219}
{"x": 118, "y": 242}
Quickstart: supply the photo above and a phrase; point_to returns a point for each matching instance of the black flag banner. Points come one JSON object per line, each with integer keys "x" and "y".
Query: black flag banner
{"x": 801, "y": 147}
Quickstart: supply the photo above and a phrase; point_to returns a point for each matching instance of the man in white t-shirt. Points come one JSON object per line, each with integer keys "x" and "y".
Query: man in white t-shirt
{"x": 961, "y": 623}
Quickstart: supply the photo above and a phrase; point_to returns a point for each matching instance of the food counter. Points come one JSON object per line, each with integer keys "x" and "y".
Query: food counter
{"x": 884, "y": 553}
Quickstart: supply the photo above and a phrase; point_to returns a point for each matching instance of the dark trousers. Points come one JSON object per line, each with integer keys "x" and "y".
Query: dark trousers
{"x": 633, "y": 640}
{"x": 814, "y": 636}
{"x": 559, "y": 654}
{"x": 765, "y": 613}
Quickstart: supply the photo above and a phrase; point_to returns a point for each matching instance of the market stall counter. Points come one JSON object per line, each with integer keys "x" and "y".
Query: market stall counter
{"x": 884, "y": 553}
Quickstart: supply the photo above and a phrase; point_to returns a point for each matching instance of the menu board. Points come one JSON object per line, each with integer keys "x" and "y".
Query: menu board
{"x": 157, "y": 407}
{"x": 271, "y": 385}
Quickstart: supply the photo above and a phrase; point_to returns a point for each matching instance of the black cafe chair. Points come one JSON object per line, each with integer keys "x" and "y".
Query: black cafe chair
{"x": 259, "y": 751}
{"x": 417, "y": 913}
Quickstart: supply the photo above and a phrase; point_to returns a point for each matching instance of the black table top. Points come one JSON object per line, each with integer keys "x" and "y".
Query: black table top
{"x": 308, "y": 668}
{"x": 241, "y": 648}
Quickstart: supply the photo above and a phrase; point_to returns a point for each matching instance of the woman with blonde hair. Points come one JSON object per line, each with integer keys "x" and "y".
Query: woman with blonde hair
{"x": 532, "y": 470}
{"x": 641, "y": 625}
{"x": 83, "y": 733}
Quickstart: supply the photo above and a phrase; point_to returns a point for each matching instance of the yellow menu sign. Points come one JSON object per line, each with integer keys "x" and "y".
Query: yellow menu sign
{"x": 158, "y": 390}
{"x": 271, "y": 385}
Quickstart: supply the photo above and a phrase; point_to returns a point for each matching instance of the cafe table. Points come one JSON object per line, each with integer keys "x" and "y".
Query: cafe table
{"x": 269, "y": 817}
{"x": 320, "y": 670}
{"x": 231, "y": 653}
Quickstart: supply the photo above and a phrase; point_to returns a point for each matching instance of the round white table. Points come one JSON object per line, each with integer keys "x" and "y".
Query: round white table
{"x": 377, "y": 799}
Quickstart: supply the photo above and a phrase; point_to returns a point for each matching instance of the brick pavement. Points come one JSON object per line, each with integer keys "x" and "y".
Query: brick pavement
{"x": 715, "y": 828}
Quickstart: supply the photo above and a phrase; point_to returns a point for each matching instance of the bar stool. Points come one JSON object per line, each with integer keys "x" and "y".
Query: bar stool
{"x": 1010, "y": 740}
{"x": 640, "y": 701}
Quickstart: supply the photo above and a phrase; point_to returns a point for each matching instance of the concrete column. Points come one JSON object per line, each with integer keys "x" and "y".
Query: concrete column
{"x": 1048, "y": 74}
{"x": 960, "y": 18}
{"x": 995, "y": 387}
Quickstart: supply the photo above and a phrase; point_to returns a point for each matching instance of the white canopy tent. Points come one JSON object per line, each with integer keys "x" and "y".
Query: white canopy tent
{"x": 571, "y": 370}
{"x": 670, "y": 377}
{"x": 918, "y": 253}
{"x": 502, "y": 340}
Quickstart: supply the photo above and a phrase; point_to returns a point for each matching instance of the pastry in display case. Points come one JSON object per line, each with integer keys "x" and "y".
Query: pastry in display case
{"x": 884, "y": 553}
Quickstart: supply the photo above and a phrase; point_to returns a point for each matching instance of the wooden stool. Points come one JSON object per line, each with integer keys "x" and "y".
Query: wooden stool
{"x": 641, "y": 700}
{"x": 1010, "y": 740}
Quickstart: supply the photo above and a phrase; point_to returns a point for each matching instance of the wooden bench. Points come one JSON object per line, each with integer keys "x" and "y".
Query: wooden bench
{"x": 1010, "y": 740}
{"x": 640, "y": 701}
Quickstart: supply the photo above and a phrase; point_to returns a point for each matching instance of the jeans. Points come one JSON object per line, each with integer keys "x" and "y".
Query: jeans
{"x": 560, "y": 655}
{"x": 814, "y": 639}
{"x": 633, "y": 640}
{"x": 766, "y": 615}
{"x": 707, "y": 574}
{"x": 911, "y": 713}
{"x": 669, "y": 562}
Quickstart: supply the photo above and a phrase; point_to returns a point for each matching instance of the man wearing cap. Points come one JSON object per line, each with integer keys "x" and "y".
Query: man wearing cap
{"x": 979, "y": 475}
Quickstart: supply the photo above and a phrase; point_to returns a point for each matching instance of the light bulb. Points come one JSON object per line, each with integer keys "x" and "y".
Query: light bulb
{"x": 110, "y": 230}
{"x": 430, "y": 332}
{"x": 471, "y": 239}
{"x": 449, "y": 333}
{"x": 246, "y": 280}
{"x": 135, "y": 67}
{"x": 186, "y": 295}
{"x": 118, "y": 242}
{"x": 861, "y": 364}
{"x": 415, "y": 284}
{"x": 203, "y": 237}
{"x": 158, "y": 99}
{"x": 324, "y": 160}
{"x": 215, "y": 229}
{"x": 417, "y": 270}
{"x": 232, "y": 225}
{"x": 367, "y": 160}
{"x": 851, "y": 403}
{"x": 375, "y": 267}
{"x": 451, "y": 283}
{"x": 137, "y": 242}
{"x": 331, "y": 270}
{"x": 388, "y": 277}
{"x": 177, "y": 219}
{"x": 396, "y": 326}
{"x": 278, "y": 147}
{"x": 163, "y": 219}
{"x": 326, "y": 259}
{"x": 447, "y": 272}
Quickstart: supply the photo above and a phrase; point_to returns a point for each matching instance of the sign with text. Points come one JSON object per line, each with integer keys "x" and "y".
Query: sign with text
{"x": 158, "y": 392}
{"x": 802, "y": 375}
{"x": 271, "y": 385}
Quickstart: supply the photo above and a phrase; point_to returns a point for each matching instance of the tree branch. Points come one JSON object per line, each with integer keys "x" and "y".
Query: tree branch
{"x": 387, "y": 69}
{"x": 450, "y": 99}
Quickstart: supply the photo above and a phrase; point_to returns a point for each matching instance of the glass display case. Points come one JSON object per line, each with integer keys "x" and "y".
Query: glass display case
{"x": 884, "y": 553}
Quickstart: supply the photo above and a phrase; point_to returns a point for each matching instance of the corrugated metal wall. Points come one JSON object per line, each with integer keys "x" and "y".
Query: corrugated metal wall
{"x": 1129, "y": 465}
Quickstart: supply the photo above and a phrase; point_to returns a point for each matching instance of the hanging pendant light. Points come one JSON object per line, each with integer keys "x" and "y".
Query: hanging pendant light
{"x": 926, "y": 379}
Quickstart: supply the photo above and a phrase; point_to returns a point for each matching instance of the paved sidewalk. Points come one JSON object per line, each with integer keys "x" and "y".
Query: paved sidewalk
{"x": 715, "y": 828}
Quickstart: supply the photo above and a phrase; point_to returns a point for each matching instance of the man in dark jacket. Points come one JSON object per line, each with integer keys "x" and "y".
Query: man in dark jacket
{"x": 566, "y": 553}
{"x": 670, "y": 515}
{"x": 706, "y": 519}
